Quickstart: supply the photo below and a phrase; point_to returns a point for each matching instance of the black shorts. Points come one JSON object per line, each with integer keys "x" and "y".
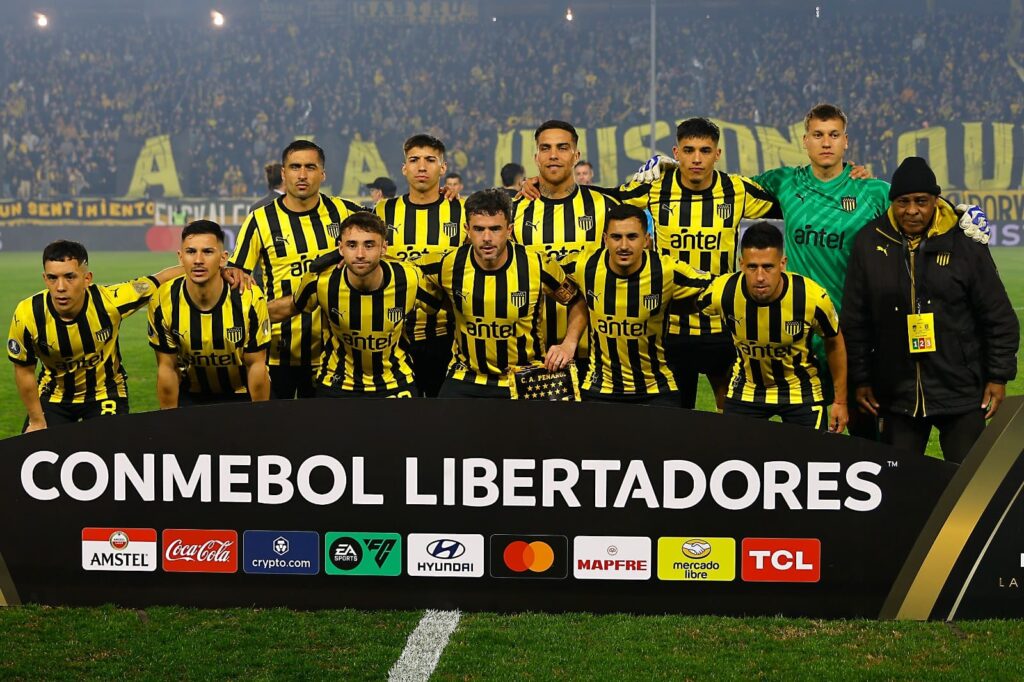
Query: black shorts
{"x": 811, "y": 415}
{"x": 666, "y": 399}
{"x": 399, "y": 392}
{"x": 69, "y": 413}
{"x": 453, "y": 388}
{"x": 690, "y": 356}
{"x": 430, "y": 360}
{"x": 291, "y": 381}
{"x": 186, "y": 399}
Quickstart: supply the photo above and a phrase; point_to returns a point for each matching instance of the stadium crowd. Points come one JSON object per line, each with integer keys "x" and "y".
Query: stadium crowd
{"x": 68, "y": 96}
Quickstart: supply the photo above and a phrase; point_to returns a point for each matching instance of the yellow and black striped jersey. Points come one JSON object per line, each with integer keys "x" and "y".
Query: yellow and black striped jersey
{"x": 700, "y": 228}
{"x": 774, "y": 363}
{"x": 365, "y": 347}
{"x": 557, "y": 229}
{"x": 628, "y": 320}
{"x": 209, "y": 344}
{"x": 497, "y": 311}
{"x": 284, "y": 244}
{"x": 81, "y": 359}
{"x": 415, "y": 230}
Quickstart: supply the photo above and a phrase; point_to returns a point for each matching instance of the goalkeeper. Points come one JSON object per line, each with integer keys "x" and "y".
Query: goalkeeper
{"x": 823, "y": 208}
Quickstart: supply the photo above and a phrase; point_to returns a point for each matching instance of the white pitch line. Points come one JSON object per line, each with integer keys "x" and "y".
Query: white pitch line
{"x": 424, "y": 647}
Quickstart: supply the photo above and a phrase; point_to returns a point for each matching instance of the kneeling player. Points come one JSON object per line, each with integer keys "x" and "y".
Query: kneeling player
{"x": 72, "y": 329}
{"x": 365, "y": 301}
{"x": 629, "y": 290}
{"x": 210, "y": 341}
{"x": 771, "y": 315}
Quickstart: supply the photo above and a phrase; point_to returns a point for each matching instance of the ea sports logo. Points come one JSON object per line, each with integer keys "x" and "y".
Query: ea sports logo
{"x": 119, "y": 540}
{"x": 536, "y": 556}
{"x": 697, "y": 549}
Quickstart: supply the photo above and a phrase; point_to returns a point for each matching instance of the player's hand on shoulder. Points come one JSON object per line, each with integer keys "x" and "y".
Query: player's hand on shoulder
{"x": 974, "y": 222}
{"x": 237, "y": 278}
{"x": 859, "y": 172}
{"x": 653, "y": 169}
{"x": 529, "y": 189}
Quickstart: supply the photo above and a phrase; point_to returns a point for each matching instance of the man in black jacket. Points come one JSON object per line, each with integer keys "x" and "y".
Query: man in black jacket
{"x": 931, "y": 335}
{"x": 275, "y": 186}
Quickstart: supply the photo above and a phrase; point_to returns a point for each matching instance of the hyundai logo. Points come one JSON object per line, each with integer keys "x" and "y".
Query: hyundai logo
{"x": 446, "y": 549}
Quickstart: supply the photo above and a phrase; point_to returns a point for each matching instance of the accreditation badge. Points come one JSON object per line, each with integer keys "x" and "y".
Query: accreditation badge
{"x": 921, "y": 332}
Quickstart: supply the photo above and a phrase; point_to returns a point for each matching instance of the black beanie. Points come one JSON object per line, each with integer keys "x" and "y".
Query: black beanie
{"x": 913, "y": 176}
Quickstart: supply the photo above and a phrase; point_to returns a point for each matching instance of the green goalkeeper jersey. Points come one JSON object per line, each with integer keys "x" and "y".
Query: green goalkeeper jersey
{"x": 822, "y": 219}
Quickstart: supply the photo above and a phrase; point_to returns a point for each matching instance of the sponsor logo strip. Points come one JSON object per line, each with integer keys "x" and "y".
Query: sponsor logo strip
{"x": 290, "y": 552}
{"x": 119, "y": 549}
{"x": 350, "y": 553}
{"x": 200, "y": 551}
{"x": 453, "y": 555}
{"x": 696, "y": 558}
{"x": 608, "y": 557}
{"x": 782, "y": 560}
{"x": 529, "y": 556}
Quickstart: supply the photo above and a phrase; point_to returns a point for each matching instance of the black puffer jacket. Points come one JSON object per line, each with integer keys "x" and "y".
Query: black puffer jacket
{"x": 977, "y": 334}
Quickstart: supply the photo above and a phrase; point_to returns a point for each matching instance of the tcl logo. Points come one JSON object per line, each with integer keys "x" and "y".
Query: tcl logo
{"x": 200, "y": 551}
{"x": 781, "y": 560}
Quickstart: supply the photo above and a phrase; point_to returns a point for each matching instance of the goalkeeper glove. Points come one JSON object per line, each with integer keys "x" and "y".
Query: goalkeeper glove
{"x": 974, "y": 223}
{"x": 653, "y": 169}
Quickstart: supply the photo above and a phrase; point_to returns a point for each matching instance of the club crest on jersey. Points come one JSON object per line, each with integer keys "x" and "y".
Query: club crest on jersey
{"x": 519, "y": 298}
{"x": 942, "y": 258}
{"x": 450, "y": 229}
{"x": 585, "y": 223}
{"x": 334, "y": 229}
{"x": 849, "y": 204}
{"x": 104, "y": 334}
{"x": 794, "y": 327}
{"x": 14, "y": 347}
{"x": 724, "y": 211}
{"x": 234, "y": 334}
{"x": 396, "y": 314}
{"x": 652, "y": 301}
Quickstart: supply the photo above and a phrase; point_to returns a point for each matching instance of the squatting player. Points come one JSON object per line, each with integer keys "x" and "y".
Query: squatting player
{"x": 367, "y": 302}
{"x": 771, "y": 315}
{"x": 495, "y": 288}
{"x": 565, "y": 219}
{"x": 72, "y": 330}
{"x": 284, "y": 237}
{"x": 629, "y": 290}
{"x": 210, "y": 341}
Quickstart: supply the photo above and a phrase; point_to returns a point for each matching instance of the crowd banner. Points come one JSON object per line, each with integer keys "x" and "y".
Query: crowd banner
{"x": 76, "y": 211}
{"x": 526, "y": 506}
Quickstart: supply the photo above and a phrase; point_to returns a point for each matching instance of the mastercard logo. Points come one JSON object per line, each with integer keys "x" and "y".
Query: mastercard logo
{"x": 536, "y": 556}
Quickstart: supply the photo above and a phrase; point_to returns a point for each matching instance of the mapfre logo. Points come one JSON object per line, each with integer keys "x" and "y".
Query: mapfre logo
{"x": 200, "y": 551}
{"x": 781, "y": 560}
{"x": 607, "y": 557}
{"x": 119, "y": 549}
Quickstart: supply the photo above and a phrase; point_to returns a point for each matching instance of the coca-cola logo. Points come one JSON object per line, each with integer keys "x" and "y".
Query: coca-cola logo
{"x": 200, "y": 551}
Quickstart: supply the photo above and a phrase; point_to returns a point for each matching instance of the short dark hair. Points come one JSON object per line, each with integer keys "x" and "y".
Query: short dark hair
{"x": 274, "y": 177}
{"x": 698, "y": 126}
{"x": 825, "y": 112}
{"x": 453, "y": 174}
{"x": 489, "y": 202}
{"x": 584, "y": 162}
{"x": 762, "y": 235}
{"x": 627, "y": 212}
{"x": 509, "y": 172}
{"x": 366, "y": 221}
{"x": 62, "y": 250}
{"x": 302, "y": 145}
{"x": 203, "y": 227}
{"x": 424, "y": 140}
{"x": 555, "y": 124}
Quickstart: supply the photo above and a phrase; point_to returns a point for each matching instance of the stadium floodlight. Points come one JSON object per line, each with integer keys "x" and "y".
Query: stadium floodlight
{"x": 568, "y": 14}
{"x": 217, "y": 18}
{"x": 42, "y": 21}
